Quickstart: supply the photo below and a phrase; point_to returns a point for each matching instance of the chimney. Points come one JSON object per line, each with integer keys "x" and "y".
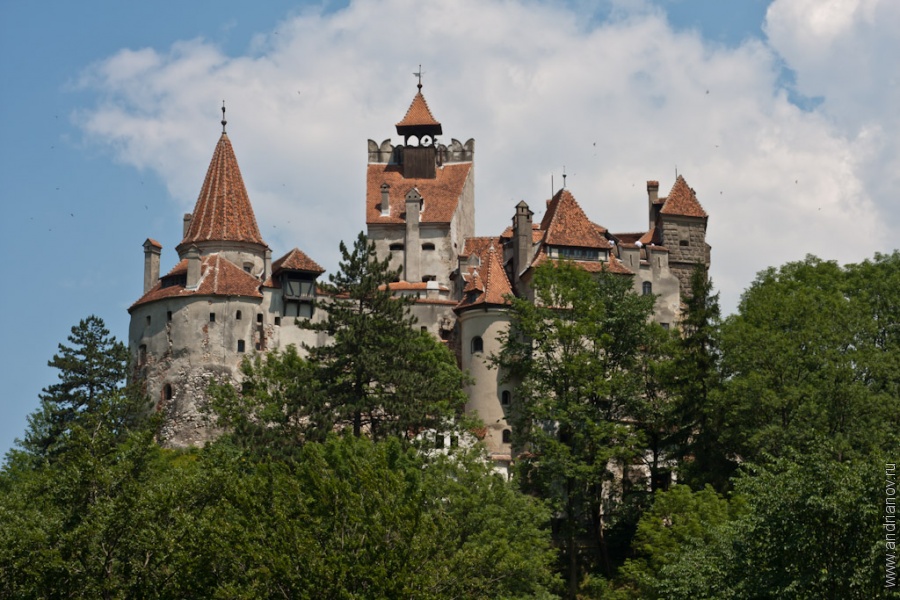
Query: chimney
{"x": 152, "y": 250}
{"x": 521, "y": 239}
{"x": 188, "y": 217}
{"x": 193, "y": 273}
{"x": 267, "y": 264}
{"x": 652, "y": 199}
{"x": 413, "y": 246}
{"x": 385, "y": 200}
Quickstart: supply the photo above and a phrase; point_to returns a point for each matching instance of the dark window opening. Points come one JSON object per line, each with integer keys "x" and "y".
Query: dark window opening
{"x": 212, "y": 317}
{"x": 665, "y": 326}
{"x": 505, "y": 398}
{"x": 169, "y": 316}
{"x": 395, "y": 247}
{"x": 167, "y": 392}
{"x": 277, "y": 320}
{"x": 439, "y": 441}
{"x": 424, "y": 329}
{"x": 647, "y": 288}
{"x": 240, "y": 345}
{"x": 477, "y": 345}
{"x": 248, "y": 267}
{"x": 507, "y": 436}
{"x": 259, "y": 318}
{"x": 429, "y": 278}
{"x": 454, "y": 441}
{"x": 428, "y": 246}
{"x": 142, "y": 354}
{"x": 683, "y": 243}
{"x": 148, "y": 320}
{"x": 237, "y": 315}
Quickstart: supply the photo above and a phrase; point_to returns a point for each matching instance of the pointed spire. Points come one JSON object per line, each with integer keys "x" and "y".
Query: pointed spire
{"x": 566, "y": 224}
{"x": 223, "y": 211}
{"x": 682, "y": 200}
{"x": 418, "y": 118}
{"x": 224, "y": 122}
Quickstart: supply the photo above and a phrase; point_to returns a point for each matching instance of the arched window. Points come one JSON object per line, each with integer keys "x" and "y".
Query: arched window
{"x": 167, "y": 392}
{"x": 507, "y": 436}
{"x": 647, "y": 288}
{"x": 505, "y": 398}
{"x": 477, "y": 345}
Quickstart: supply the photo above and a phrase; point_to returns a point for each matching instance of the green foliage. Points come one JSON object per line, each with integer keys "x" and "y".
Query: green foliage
{"x": 574, "y": 356}
{"x": 379, "y": 374}
{"x": 810, "y": 529}
{"x": 813, "y": 355}
{"x": 90, "y": 396}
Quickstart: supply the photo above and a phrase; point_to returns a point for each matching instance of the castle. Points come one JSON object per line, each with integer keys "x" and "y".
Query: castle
{"x": 226, "y": 297}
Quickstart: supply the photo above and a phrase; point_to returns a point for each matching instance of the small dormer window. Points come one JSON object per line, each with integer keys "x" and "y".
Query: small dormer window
{"x": 248, "y": 267}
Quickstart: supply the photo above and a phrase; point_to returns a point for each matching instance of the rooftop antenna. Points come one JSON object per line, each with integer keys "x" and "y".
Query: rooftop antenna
{"x": 564, "y": 177}
{"x": 419, "y": 74}
{"x": 224, "y": 122}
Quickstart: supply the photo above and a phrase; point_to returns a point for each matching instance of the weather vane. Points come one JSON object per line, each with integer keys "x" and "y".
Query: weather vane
{"x": 224, "y": 122}
{"x": 419, "y": 74}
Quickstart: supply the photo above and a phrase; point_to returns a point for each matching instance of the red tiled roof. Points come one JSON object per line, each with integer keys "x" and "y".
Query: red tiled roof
{"x": 682, "y": 201}
{"x": 223, "y": 211}
{"x": 218, "y": 277}
{"x": 406, "y": 286}
{"x": 153, "y": 243}
{"x": 418, "y": 113}
{"x": 488, "y": 282}
{"x": 296, "y": 260}
{"x": 566, "y": 224}
{"x": 440, "y": 195}
{"x": 614, "y": 265}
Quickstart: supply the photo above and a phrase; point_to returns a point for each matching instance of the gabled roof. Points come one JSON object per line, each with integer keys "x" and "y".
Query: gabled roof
{"x": 223, "y": 211}
{"x": 682, "y": 201}
{"x": 418, "y": 115}
{"x": 297, "y": 260}
{"x": 440, "y": 195}
{"x": 565, "y": 224}
{"x": 218, "y": 277}
{"x": 487, "y": 284}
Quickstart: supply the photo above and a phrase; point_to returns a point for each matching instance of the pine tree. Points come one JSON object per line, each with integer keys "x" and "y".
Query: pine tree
{"x": 379, "y": 374}
{"x": 91, "y": 393}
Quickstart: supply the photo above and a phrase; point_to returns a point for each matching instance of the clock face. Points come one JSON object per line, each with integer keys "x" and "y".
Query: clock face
{"x": 426, "y": 140}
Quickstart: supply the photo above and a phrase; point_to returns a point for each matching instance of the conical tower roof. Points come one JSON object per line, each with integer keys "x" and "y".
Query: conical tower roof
{"x": 223, "y": 211}
{"x": 418, "y": 118}
{"x": 682, "y": 201}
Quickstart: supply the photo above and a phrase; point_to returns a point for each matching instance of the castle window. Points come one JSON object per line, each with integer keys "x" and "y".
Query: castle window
{"x": 167, "y": 392}
{"x": 683, "y": 243}
{"x": 505, "y": 398}
{"x": 424, "y": 329}
{"x": 477, "y": 345}
{"x": 429, "y": 278}
{"x": 428, "y": 246}
{"x": 169, "y": 316}
{"x": 248, "y": 267}
{"x": 277, "y": 320}
{"x": 148, "y": 320}
{"x": 647, "y": 288}
{"x": 212, "y": 317}
{"x": 396, "y": 247}
{"x": 439, "y": 441}
{"x": 665, "y": 326}
{"x": 237, "y": 316}
{"x": 240, "y": 346}
{"x": 142, "y": 355}
{"x": 259, "y": 318}
{"x": 507, "y": 436}
{"x": 454, "y": 441}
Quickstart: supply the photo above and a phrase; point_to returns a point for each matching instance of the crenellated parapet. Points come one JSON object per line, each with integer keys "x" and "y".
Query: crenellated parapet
{"x": 454, "y": 152}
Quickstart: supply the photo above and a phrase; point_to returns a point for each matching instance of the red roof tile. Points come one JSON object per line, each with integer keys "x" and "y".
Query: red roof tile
{"x": 440, "y": 195}
{"x": 418, "y": 114}
{"x": 406, "y": 286}
{"x": 218, "y": 277}
{"x": 153, "y": 243}
{"x": 613, "y": 265}
{"x": 223, "y": 211}
{"x": 682, "y": 201}
{"x": 296, "y": 260}
{"x": 566, "y": 224}
{"x": 487, "y": 284}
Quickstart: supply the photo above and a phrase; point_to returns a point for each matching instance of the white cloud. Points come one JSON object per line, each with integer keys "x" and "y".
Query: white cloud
{"x": 617, "y": 103}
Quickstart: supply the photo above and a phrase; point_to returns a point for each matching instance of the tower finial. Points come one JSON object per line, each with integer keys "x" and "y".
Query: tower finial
{"x": 564, "y": 176}
{"x": 419, "y": 74}
{"x": 224, "y": 122}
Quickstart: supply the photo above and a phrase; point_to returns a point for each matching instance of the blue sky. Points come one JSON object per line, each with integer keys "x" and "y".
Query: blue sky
{"x": 782, "y": 115}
